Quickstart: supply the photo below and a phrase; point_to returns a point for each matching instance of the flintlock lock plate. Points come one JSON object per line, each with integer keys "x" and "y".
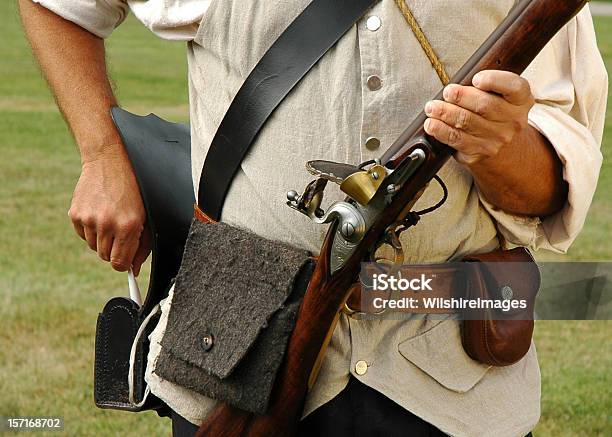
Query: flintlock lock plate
{"x": 359, "y": 184}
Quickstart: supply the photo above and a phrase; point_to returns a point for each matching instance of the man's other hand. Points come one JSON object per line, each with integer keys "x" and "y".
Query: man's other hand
{"x": 107, "y": 211}
{"x": 514, "y": 166}
{"x": 480, "y": 121}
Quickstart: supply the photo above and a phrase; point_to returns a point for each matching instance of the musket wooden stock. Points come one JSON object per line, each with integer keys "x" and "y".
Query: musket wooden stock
{"x": 511, "y": 47}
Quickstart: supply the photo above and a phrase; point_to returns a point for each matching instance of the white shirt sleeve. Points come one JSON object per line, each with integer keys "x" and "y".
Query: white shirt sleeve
{"x": 99, "y": 17}
{"x": 172, "y": 20}
{"x": 570, "y": 84}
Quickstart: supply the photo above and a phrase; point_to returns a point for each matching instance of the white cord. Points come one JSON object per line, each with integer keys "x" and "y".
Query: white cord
{"x": 144, "y": 324}
{"x": 134, "y": 289}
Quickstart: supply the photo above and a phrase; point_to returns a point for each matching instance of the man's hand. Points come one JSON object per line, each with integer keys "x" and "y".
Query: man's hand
{"x": 481, "y": 120}
{"x": 107, "y": 211}
{"x": 514, "y": 166}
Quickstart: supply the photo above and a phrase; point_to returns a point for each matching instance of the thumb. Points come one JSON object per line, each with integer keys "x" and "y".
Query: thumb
{"x": 143, "y": 251}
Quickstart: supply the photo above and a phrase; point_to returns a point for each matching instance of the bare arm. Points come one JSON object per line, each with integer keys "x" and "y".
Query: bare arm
{"x": 514, "y": 166}
{"x": 106, "y": 208}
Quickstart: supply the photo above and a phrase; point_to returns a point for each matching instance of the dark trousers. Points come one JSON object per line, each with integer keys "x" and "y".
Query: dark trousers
{"x": 357, "y": 411}
{"x": 181, "y": 427}
{"x": 362, "y": 411}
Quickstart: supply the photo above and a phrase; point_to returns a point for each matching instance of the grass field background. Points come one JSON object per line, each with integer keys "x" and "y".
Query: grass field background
{"x": 52, "y": 286}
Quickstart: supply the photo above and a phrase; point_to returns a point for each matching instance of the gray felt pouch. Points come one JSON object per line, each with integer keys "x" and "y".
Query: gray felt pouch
{"x": 236, "y": 298}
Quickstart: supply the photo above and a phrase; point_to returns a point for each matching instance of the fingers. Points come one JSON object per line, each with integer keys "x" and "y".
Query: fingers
{"x": 91, "y": 238}
{"x": 117, "y": 243}
{"x": 104, "y": 244}
{"x": 144, "y": 249}
{"x": 78, "y": 228}
{"x": 125, "y": 245}
{"x": 478, "y": 121}
{"x": 469, "y": 133}
{"x": 479, "y": 102}
{"x": 482, "y": 99}
{"x": 98, "y": 238}
{"x": 123, "y": 253}
{"x": 459, "y": 118}
{"x": 512, "y": 87}
{"x": 470, "y": 148}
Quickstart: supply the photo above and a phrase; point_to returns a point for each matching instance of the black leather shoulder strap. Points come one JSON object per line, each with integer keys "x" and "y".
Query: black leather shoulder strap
{"x": 285, "y": 63}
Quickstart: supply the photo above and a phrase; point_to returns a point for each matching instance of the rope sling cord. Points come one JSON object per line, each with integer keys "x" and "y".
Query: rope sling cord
{"x": 437, "y": 65}
{"x": 440, "y": 70}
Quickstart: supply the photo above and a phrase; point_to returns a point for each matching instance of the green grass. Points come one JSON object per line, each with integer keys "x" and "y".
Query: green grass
{"x": 52, "y": 286}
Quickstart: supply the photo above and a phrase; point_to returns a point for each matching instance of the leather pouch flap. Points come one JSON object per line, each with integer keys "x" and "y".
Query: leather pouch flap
{"x": 507, "y": 275}
{"x": 116, "y": 330}
{"x": 439, "y": 353}
{"x": 230, "y": 285}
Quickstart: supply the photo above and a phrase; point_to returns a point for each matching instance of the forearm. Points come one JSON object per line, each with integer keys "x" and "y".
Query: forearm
{"x": 106, "y": 208}
{"x": 524, "y": 178}
{"x": 73, "y": 63}
{"x": 514, "y": 166}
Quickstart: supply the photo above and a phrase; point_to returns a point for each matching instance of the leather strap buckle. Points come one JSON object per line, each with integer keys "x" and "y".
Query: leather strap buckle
{"x": 200, "y": 215}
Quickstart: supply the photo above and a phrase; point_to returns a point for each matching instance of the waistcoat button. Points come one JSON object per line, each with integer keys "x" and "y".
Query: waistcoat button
{"x": 361, "y": 367}
{"x": 372, "y": 143}
{"x": 373, "y": 23}
{"x": 374, "y": 83}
